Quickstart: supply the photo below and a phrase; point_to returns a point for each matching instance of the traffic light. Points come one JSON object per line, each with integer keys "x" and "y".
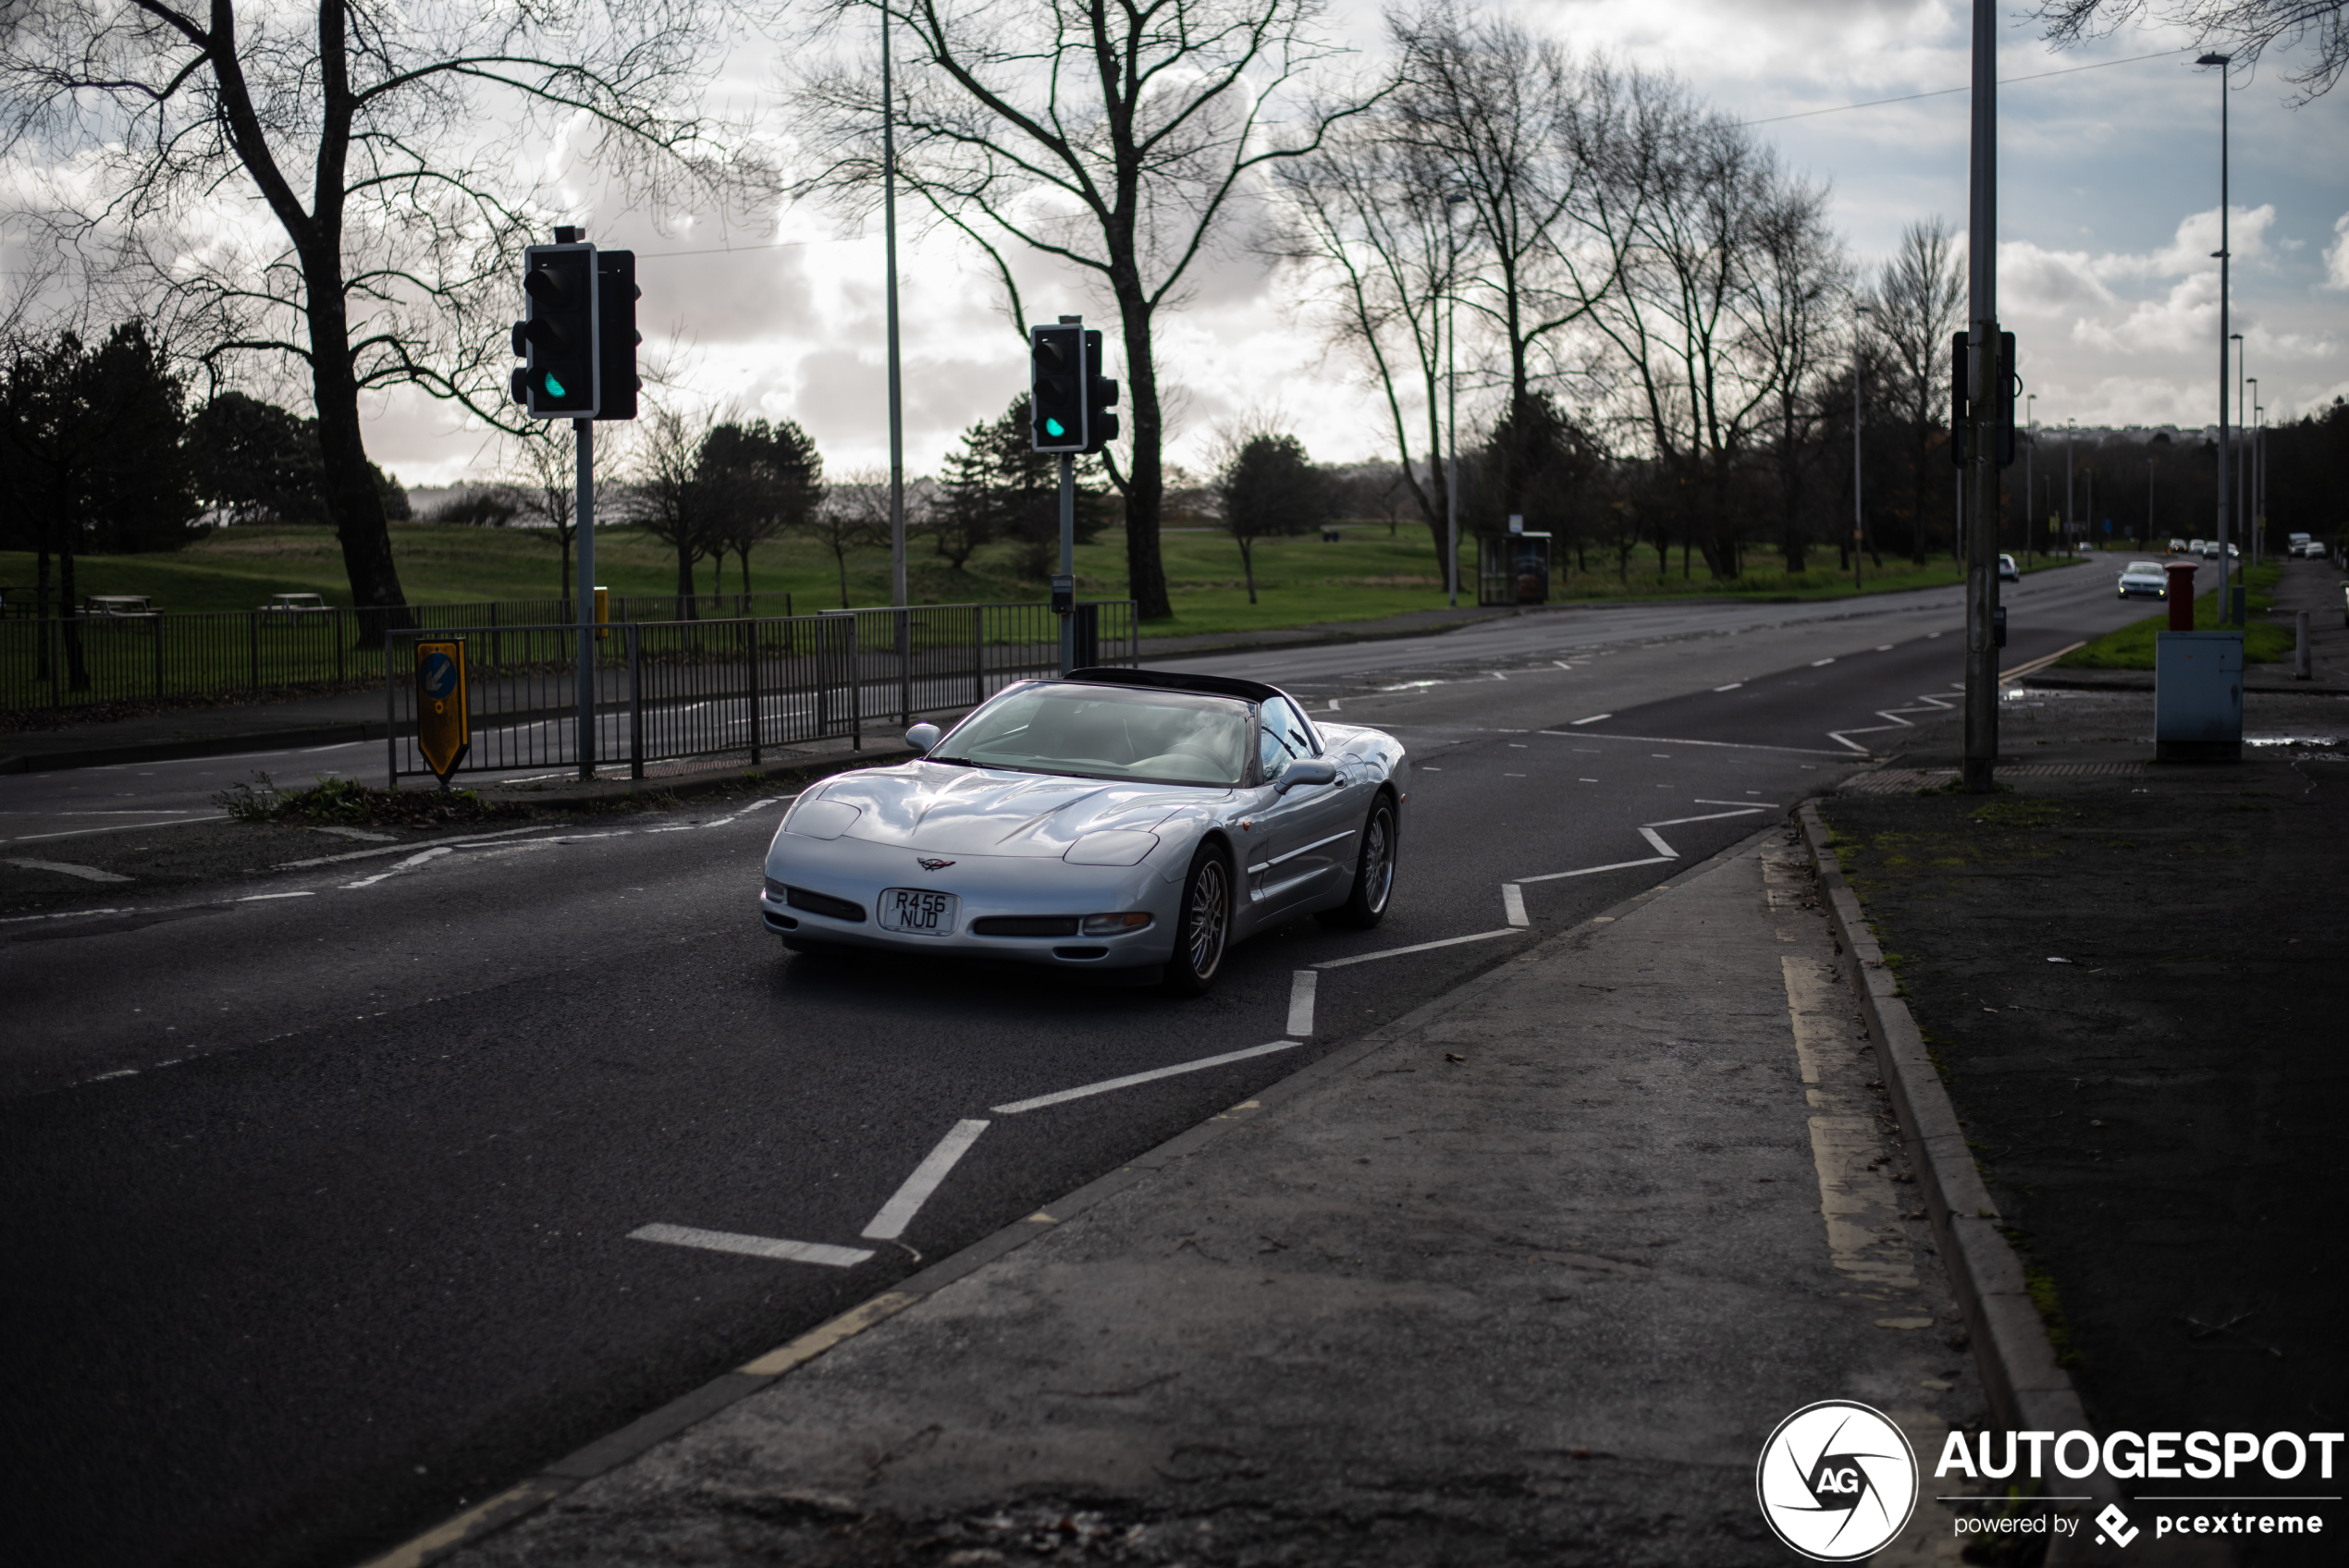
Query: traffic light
{"x": 2002, "y": 378}
{"x": 558, "y": 337}
{"x": 1101, "y": 396}
{"x": 1056, "y": 387}
{"x": 617, "y": 337}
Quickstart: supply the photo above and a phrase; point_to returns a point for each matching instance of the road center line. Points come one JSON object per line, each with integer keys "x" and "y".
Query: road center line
{"x": 1301, "y": 986}
{"x": 1106, "y": 1084}
{"x": 1422, "y": 947}
{"x": 899, "y": 1211}
{"x": 751, "y": 1246}
{"x": 1594, "y": 870}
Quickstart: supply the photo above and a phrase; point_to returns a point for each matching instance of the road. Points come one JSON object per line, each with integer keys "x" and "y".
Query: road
{"x": 329, "y": 1204}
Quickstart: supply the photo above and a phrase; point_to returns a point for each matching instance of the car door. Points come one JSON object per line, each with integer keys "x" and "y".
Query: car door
{"x": 1302, "y": 846}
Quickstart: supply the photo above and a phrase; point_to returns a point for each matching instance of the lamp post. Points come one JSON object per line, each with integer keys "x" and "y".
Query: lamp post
{"x": 1859, "y": 314}
{"x": 2071, "y": 521}
{"x": 1452, "y": 404}
{"x": 2250, "y": 487}
{"x": 2030, "y": 450}
{"x": 2224, "y": 259}
{"x": 2147, "y": 541}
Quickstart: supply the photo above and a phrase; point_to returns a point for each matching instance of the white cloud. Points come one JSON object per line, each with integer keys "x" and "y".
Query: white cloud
{"x": 2337, "y": 256}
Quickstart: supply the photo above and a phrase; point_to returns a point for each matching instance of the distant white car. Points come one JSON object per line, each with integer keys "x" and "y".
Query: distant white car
{"x": 2008, "y": 570}
{"x": 2178, "y": 546}
{"x": 2208, "y": 549}
{"x": 2143, "y": 580}
{"x": 2309, "y": 549}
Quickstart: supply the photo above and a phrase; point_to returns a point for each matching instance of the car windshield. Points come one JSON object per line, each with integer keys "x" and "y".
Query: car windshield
{"x": 2145, "y": 567}
{"x": 1107, "y": 732}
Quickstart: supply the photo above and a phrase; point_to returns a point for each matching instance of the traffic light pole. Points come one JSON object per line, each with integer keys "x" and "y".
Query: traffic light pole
{"x": 1068, "y": 559}
{"x": 584, "y": 526}
{"x": 1984, "y": 373}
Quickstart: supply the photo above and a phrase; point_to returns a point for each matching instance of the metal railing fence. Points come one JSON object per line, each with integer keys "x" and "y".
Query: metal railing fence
{"x": 666, "y": 690}
{"x": 83, "y": 660}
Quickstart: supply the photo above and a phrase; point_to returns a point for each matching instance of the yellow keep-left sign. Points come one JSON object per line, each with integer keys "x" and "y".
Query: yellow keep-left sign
{"x": 444, "y": 725}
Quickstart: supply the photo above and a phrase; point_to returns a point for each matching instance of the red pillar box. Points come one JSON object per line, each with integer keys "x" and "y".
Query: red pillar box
{"x": 2181, "y": 594}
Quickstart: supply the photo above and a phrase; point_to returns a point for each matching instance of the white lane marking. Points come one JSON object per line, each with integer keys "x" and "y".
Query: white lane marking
{"x": 1817, "y": 663}
{"x": 87, "y": 873}
{"x": 338, "y": 746}
{"x": 1333, "y": 704}
{"x": 1592, "y": 720}
{"x": 398, "y": 866}
{"x": 1586, "y": 781}
{"x": 257, "y": 898}
{"x": 1301, "y": 986}
{"x": 1564, "y": 666}
{"x": 63, "y": 914}
{"x": 1730, "y": 686}
{"x": 154, "y": 812}
{"x": 1594, "y": 870}
{"x": 1106, "y": 1084}
{"x": 1423, "y": 946}
{"x": 1513, "y": 904}
{"x": 1701, "y": 801}
{"x": 1497, "y": 674}
{"x": 372, "y": 855}
{"x": 1679, "y": 740}
{"x": 1884, "y": 647}
{"x": 362, "y": 835}
{"x": 1709, "y": 817}
{"x": 899, "y": 1211}
{"x": 751, "y": 1246}
{"x": 1932, "y": 704}
{"x": 1652, "y": 836}
{"x": 117, "y": 827}
{"x": 754, "y": 805}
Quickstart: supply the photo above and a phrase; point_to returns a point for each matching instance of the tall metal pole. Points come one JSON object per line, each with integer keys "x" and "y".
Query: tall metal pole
{"x": 1985, "y": 374}
{"x": 1068, "y": 557}
{"x": 2251, "y": 475}
{"x": 585, "y": 528}
{"x": 1859, "y": 515}
{"x": 2030, "y": 453}
{"x": 896, "y": 400}
{"x": 2071, "y": 517}
{"x": 1452, "y": 402}
{"x": 2225, "y": 259}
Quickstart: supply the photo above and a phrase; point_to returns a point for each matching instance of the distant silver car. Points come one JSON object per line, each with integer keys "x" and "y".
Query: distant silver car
{"x": 1111, "y": 819}
{"x": 2008, "y": 570}
{"x": 2143, "y": 580}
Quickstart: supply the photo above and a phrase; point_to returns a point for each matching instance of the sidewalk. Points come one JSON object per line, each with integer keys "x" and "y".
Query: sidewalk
{"x": 1528, "y": 1275}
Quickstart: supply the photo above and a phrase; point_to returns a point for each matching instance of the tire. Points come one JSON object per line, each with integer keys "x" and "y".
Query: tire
{"x": 1203, "y": 924}
{"x": 1373, "y": 888}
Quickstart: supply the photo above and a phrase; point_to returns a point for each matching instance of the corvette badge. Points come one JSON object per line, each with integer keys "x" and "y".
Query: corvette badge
{"x": 929, "y": 864}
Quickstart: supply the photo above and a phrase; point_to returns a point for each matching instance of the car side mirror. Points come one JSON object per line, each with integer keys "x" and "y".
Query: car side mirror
{"x": 1309, "y": 770}
{"x": 922, "y": 737}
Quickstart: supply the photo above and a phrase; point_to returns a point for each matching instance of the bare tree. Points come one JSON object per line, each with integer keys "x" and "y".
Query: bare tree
{"x": 360, "y": 130}
{"x": 853, "y": 517}
{"x": 1516, "y": 132}
{"x": 1368, "y": 228}
{"x": 1689, "y": 233}
{"x": 1795, "y": 283}
{"x": 1919, "y": 302}
{"x": 547, "y": 489}
{"x": 1115, "y": 139}
{"x": 669, "y": 497}
{"x": 2244, "y": 27}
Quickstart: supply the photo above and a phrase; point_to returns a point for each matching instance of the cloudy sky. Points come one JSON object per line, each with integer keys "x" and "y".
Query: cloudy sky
{"x": 2108, "y": 212}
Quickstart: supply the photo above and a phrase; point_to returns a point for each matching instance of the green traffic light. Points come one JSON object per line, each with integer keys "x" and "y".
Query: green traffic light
{"x": 554, "y": 388}
{"x": 1053, "y": 427}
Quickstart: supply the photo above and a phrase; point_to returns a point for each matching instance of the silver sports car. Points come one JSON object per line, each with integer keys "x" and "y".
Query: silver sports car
{"x": 1114, "y": 819}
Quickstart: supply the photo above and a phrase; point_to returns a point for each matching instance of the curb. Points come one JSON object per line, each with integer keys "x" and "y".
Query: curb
{"x": 2073, "y": 684}
{"x": 613, "y": 1450}
{"x": 178, "y": 751}
{"x": 2029, "y": 1390}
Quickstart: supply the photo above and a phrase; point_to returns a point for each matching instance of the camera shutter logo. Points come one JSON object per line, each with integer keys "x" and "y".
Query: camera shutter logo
{"x": 1837, "y": 1481}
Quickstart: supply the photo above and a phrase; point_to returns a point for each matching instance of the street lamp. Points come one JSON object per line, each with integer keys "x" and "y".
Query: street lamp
{"x": 2071, "y": 519}
{"x": 2224, "y": 259}
{"x": 897, "y": 398}
{"x": 2248, "y": 504}
{"x": 2259, "y": 477}
{"x": 2030, "y": 450}
{"x": 1453, "y": 200}
{"x": 1860, "y": 313}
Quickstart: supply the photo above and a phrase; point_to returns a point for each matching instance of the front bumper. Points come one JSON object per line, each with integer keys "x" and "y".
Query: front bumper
{"x": 990, "y": 886}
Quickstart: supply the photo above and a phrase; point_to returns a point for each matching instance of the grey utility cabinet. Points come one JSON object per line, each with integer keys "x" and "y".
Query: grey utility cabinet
{"x": 2198, "y": 696}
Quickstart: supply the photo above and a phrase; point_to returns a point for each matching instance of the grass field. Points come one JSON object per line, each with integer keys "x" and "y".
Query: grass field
{"x": 1368, "y": 575}
{"x": 2264, "y": 641}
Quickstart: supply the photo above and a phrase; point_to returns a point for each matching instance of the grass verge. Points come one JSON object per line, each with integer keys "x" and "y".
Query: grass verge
{"x": 2264, "y": 641}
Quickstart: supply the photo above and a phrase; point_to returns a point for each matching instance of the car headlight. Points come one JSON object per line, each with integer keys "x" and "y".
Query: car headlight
{"x": 821, "y": 819}
{"x": 1112, "y": 846}
{"x": 1115, "y": 925}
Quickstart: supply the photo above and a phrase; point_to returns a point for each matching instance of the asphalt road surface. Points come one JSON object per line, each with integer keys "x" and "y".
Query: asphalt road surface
{"x": 330, "y": 1205}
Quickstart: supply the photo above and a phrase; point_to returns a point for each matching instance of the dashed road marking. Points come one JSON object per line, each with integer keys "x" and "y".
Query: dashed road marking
{"x": 1652, "y": 836}
{"x": 1301, "y": 987}
{"x": 1513, "y": 904}
{"x": 906, "y": 1202}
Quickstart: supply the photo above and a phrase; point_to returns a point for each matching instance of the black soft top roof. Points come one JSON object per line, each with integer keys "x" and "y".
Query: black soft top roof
{"x": 1171, "y": 680}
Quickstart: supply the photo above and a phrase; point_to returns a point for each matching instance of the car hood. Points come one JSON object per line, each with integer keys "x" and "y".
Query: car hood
{"x": 970, "y": 811}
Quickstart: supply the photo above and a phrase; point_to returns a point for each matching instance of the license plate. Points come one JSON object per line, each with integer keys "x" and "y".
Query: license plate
{"x": 923, "y": 914}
